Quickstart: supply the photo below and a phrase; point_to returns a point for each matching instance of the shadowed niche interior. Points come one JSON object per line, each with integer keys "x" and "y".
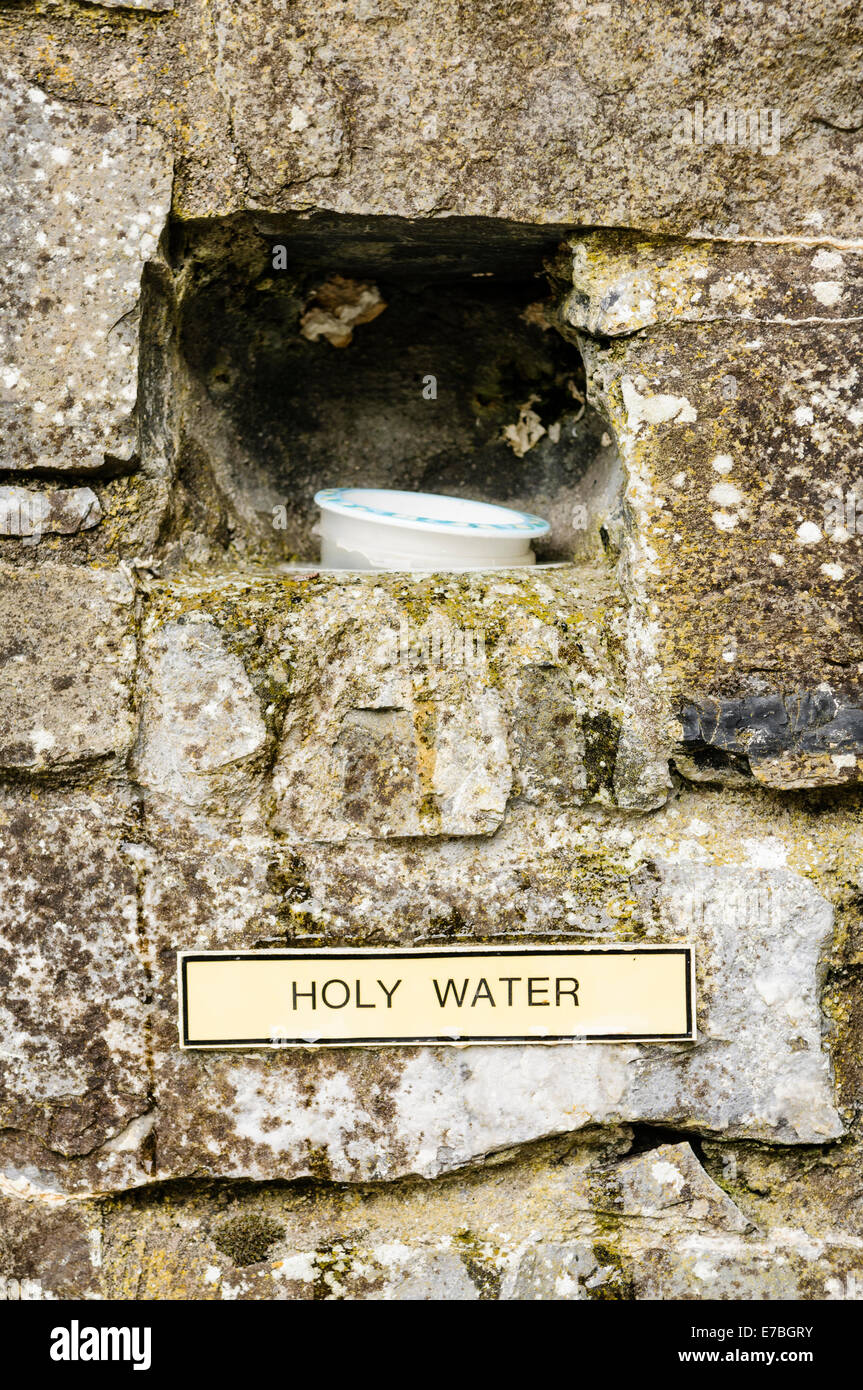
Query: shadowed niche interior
{"x": 328, "y": 351}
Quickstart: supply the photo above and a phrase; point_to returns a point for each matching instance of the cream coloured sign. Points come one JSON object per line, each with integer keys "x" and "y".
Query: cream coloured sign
{"x": 338, "y": 997}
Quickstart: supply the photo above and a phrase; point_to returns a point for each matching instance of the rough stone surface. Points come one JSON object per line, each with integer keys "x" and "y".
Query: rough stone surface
{"x": 594, "y": 263}
{"x": 789, "y": 1265}
{"x": 391, "y": 711}
{"x": 30, "y": 514}
{"x": 567, "y": 114}
{"x": 759, "y": 1068}
{"x": 667, "y": 1179}
{"x": 201, "y": 723}
{"x": 589, "y": 1224}
{"x": 732, "y": 387}
{"x": 86, "y": 197}
{"x": 48, "y": 1249}
{"x": 628, "y": 283}
{"x": 807, "y": 741}
{"x": 66, "y": 670}
{"x": 581, "y": 1225}
{"x": 421, "y": 757}
{"x": 225, "y": 666}
{"x": 75, "y": 1085}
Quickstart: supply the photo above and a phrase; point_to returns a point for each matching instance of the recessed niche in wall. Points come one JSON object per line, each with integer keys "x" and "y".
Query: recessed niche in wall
{"x": 376, "y": 352}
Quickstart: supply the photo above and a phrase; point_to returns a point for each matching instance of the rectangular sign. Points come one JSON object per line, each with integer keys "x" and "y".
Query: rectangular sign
{"x": 371, "y": 996}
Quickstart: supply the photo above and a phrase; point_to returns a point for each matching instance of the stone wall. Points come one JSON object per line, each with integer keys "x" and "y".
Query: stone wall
{"x": 649, "y": 336}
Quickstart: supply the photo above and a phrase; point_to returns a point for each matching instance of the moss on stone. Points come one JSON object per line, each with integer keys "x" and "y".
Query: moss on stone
{"x": 601, "y": 737}
{"x": 248, "y": 1238}
{"x": 478, "y": 1260}
{"x": 336, "y": 1265}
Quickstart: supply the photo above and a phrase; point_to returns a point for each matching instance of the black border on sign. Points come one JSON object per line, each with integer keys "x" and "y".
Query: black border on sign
{"x": 623, "y": 948}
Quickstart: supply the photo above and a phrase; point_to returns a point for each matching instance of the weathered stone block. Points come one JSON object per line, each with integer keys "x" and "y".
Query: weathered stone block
{"x": 75, "y": 1099}
{"x": 48, "y": 1248}
{"x": 788, "y": 1264}
{"x": 27, "y": 513}
{"x": 549, "y": 737}
{"x": 731, "y": 384}
{"x": 580, "y": 1225}
{"x": 201, "y": 724}
{"x": 435, "y": 763}
{"x": 626, "y": 282}
{"x": 66, "y": 669}
{"x": 758, "y": 1070}
{"x": 85, "y": 199}
{"x": 393, "y": 709}
{"x": 204, "y": 882}
{"x": 388, "y": 738}
{"x": 667, "y": 1182}
{"x": 381, "y": 788}
{"x": 603, "y": 133}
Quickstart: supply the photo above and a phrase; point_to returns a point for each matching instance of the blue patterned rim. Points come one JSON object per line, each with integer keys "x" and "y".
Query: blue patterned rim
{"x": 338, "y": 500}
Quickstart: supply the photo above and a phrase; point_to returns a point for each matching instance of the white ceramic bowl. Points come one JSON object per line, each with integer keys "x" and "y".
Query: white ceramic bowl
{"x": 376, "y": 528}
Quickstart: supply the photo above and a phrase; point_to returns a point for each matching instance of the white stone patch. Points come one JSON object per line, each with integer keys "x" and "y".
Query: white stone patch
{"x": 298, "y": 1266}
{"x": 472, "y": 773}
{"x": 201, "y": 720}
{"x": 722, "y": 463}
{"x": 827, "y": 292}
{"x": 843, "y": 760}
{"x": 850, "y": 1287}
{"x": 833, "y": 571}
{"x": 759, "y": 1069}
{"x": 41, "y": 740}
{"x": 17, "y": 1185}
{"x": 666, "y": 1174}
{"x": 130, "y": 1137}
{"x": 725, "y": 495}
{"x": 654, "y": 410}
{"x": 808, "y": 533}
{"x": 825, "y": 259}
{"x": 72, "y": 319}
{"x": 26, "y": 513}
{"x": 767, "y": 853}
